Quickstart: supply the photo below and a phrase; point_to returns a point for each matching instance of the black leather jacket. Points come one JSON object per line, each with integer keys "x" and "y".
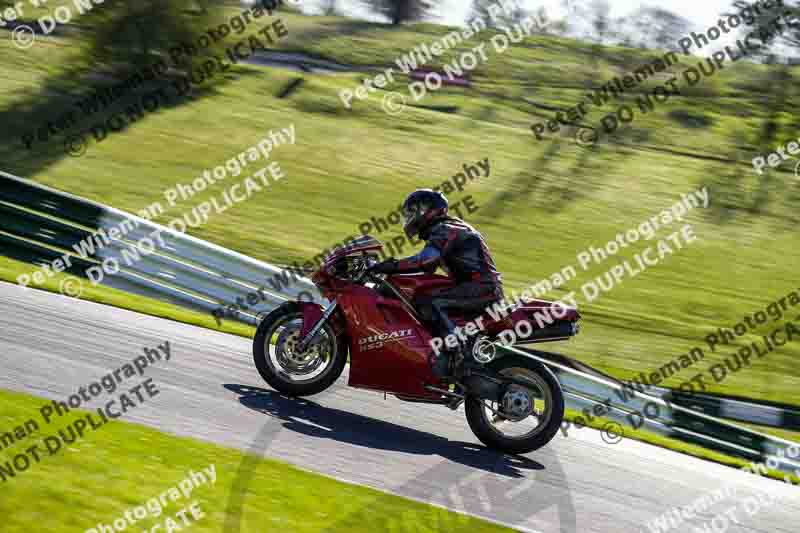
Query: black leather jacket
{"x": 459, "y": 249}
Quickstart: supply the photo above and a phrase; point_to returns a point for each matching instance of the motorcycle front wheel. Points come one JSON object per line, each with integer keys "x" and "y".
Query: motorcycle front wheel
{"x": 528, "y": 413}
{"x": 296, "y": 373}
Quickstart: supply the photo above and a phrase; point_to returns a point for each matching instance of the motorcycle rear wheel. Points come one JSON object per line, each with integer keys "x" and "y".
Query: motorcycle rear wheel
{"x": 541, "y": 395}
{"x": 296, "y": 374}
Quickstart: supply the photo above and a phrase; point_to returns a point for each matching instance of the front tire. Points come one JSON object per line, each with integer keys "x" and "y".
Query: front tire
{"x": 296, "y": 374}
{"x": 542, "y": 390}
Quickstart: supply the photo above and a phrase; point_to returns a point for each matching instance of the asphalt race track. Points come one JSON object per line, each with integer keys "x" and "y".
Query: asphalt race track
{"x": 51, "y": 345}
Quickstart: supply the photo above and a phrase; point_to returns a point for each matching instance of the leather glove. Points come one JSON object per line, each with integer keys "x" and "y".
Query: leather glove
{"x": 385, "y": 267}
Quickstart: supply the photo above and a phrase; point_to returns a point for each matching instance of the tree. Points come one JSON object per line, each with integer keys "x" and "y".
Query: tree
{"x": 480, "y": 11}
{"x": 775, "y": 101}
{"x": 654, "y": 27}
{"x": 329, "y": 7}
{"x": 399, "y": 11}
{"x": 597, "y": 23}
{"x": 601, "y": 19}
{"x": 772, "y": 22}
{"x": 135, "y": 32}
{"x": 591, "y": 22}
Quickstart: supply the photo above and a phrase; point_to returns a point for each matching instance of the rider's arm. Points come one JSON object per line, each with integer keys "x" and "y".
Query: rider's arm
{"x": 425, "y": 261}
{"x": 439, "y": 241}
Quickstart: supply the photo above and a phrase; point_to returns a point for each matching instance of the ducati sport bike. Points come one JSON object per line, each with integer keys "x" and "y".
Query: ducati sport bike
{"x": 513, "y": 403}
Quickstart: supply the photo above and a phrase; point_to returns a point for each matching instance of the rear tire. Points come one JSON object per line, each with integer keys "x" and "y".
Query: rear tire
{"x": 288, "y": 315}
{"x": 475, "y": 409}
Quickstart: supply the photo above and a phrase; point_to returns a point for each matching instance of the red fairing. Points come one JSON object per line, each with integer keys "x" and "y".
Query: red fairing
{"x": 311, "y": 314}
{"x": 389, "y": 348}
{"x": 351, "y": 249}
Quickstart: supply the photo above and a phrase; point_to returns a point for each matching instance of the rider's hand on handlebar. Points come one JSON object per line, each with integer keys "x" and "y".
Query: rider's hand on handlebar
{"x": 385, "y": 267}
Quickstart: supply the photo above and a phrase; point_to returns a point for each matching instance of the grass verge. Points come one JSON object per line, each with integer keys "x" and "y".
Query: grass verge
{"x": 10, "y": 269}
{"x": 686, "y": 448}
{"x": 121, "y": 465}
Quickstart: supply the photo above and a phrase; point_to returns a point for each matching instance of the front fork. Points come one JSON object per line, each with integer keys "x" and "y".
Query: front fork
{"x": 306, "y": 341}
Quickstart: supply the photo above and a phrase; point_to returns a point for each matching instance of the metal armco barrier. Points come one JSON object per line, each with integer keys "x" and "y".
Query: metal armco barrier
{"x": 656, "y": 412}
{"x": 39, "y": 224}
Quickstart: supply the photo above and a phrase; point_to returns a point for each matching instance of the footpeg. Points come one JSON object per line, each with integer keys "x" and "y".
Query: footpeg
{"x": 455, "y": 404}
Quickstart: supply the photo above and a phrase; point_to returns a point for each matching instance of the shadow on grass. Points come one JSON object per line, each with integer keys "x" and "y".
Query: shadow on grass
{"x": 36, "y": 137}
{"x": 546, "y": 187}
{"x": 739, "y": 191}
{"x": 737, "y": 188}
{"x": 38, "y": 113}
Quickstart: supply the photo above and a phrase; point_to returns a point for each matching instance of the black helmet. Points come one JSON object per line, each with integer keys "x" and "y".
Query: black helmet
{"x": 421, "y": 209}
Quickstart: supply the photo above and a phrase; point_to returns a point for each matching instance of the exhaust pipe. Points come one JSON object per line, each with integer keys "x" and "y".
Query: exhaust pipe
{"x": 554, "y": 332}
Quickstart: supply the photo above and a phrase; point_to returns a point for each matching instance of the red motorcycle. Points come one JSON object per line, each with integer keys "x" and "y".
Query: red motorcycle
{"x": 512, "y": 402}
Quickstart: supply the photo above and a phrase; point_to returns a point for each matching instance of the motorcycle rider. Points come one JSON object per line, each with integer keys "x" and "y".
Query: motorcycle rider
{"x": 461, "y": 251}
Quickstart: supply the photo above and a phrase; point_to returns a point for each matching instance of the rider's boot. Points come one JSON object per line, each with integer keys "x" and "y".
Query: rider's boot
{"x": 454, "y": 363}
{"x": 466, "y": 361}
{"x": 442, "y": 364}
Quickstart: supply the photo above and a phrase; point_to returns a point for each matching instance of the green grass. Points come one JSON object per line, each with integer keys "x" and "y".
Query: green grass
{"x": 120, "y": 466}
{"x": 10, "y": 269}
{"x": 776, "y": 432}
{"x": 544, "y": 202}
{"x": 686, "y": 448}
